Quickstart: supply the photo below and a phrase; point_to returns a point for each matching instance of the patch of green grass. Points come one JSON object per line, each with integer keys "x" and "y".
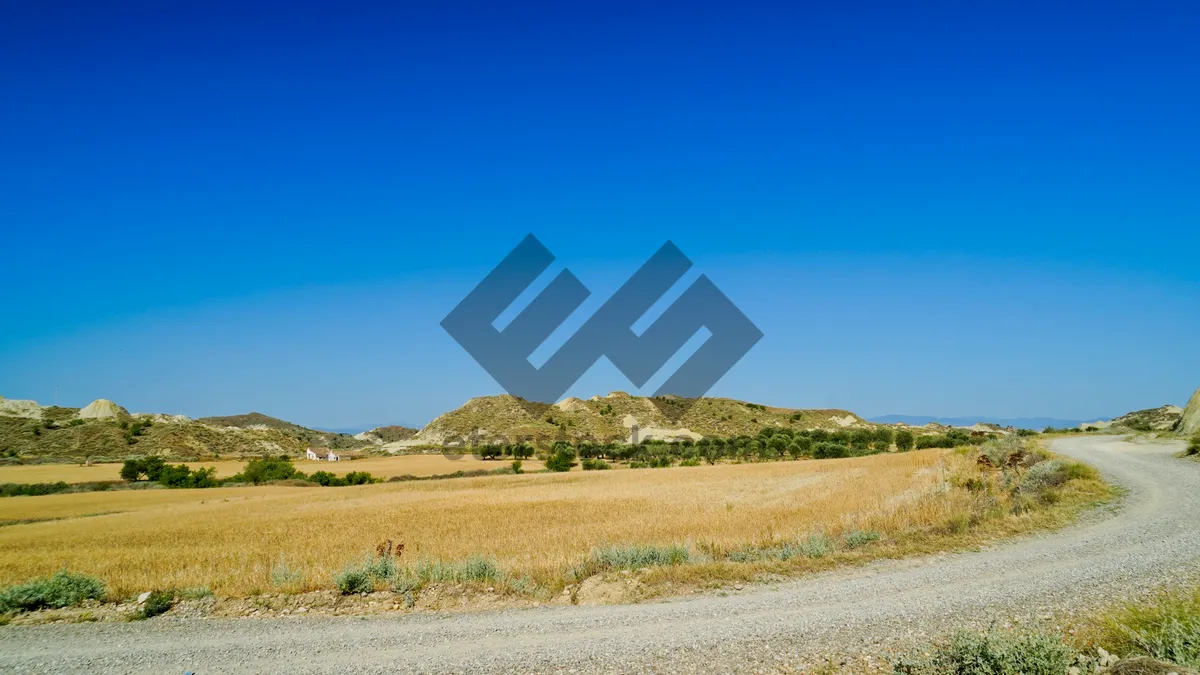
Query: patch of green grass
{"x": 1167, "y": 629}
{"x": 194, "y": 592}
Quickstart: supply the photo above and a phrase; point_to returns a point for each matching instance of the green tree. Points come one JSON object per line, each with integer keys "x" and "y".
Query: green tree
{"x": 131, "y": 470}
{"x": 153, "y": 468}
{"x": 883, "y": 438}
{"x": 904, "y": 440}
{"x": 805, "y": 443}
{"x": 562, "y": 460}
{"x": 268, "y": 469}
{"x": 861, "y": 439}
{"x": 830, "y": 450}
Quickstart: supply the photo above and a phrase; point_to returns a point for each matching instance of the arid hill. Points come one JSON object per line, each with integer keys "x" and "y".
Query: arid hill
{"x": 611, "y": 418}
{"x": 388, "y": 434}
{"x": 1152, "y": 419}
{"x": 104, "y": 431}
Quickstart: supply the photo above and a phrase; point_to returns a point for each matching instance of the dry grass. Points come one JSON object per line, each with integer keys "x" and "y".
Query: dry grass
{"x": 382, "y": 467}
{"x": 541, "y": 525}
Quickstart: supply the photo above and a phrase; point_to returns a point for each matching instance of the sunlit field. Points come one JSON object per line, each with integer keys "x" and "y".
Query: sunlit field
{"x": 230, "y": 538}
{"x": 381, "y": 467}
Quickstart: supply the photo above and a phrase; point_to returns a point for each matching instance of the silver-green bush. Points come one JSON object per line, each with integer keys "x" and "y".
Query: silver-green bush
{"x": 61, "y": 589}
{"x": 990, "y": 653}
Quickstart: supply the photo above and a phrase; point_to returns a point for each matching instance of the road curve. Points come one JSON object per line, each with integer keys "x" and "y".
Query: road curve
{"x": 1150, "y": 538}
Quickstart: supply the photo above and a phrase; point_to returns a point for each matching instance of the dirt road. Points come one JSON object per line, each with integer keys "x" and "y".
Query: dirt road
{"x": 1152, "y": 537}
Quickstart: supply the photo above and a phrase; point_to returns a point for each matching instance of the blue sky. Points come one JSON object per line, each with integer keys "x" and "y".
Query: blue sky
{"x": 950, "y": 209}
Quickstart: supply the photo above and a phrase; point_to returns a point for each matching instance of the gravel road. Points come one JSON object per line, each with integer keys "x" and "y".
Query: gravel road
{"x": 1151, "y": 538}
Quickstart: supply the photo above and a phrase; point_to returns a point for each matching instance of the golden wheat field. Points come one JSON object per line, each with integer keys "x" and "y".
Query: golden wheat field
{"x": 381, "y": 467}
{"x": 230, "y": 538}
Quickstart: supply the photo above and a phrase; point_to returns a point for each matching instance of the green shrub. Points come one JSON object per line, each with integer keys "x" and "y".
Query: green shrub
{"x": 326, "y": 479}
{"x": 1194, "y": 447}
{"x": 380, "y": 566}
{"x": 1043, "y": 476}
{"x": 136, "y": 429}
{"x": 814, "y": 546}
{"x": 633, "y": 557}
{"x": 360, "y": 478}
{"x": 283, "y": 574}
{"x": 516, "y": 466}
{"x": 474, "y": 569}
{"x": 354, "y": 579}
{"x": 158, "y": 603}
{"x": 856, "y": 538}
{"x": 365, "y": 575}
{"x": 33, "y": 489}
{"x": 990, "y": 653}
{"x": 597, "y": 465}
{"x": 267, "y": 469}
{"x": 61, "y": 589}
{"x": 180, "y": 476}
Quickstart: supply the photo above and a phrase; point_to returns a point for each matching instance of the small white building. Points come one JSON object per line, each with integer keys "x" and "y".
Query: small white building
{"x": 323, "y": 455}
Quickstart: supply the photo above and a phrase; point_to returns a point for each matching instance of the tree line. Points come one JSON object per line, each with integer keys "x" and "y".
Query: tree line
{"x": 769, "y": 444}
{"x": 257, "y": 471}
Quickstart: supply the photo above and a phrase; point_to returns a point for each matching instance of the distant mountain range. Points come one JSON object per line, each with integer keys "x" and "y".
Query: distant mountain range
{"x": 1037, "y": 423}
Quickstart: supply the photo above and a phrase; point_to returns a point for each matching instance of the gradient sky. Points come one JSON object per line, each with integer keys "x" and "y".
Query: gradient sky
{"x": 937, "y": 208}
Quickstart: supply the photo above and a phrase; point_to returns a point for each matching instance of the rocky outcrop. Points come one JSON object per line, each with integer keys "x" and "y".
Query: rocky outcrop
{"x": 1190, "y": 422}
{"x": 17, "y": 408}
{"x": 101, "y": 408}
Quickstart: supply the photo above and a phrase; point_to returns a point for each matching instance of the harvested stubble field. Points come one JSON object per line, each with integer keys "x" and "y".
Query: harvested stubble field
{"x": 543, "y": 525}
{"x": 380, "y": 467}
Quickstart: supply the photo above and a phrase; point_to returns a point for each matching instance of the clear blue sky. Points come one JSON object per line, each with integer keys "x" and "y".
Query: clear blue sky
{"x": 942, "y": 208}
